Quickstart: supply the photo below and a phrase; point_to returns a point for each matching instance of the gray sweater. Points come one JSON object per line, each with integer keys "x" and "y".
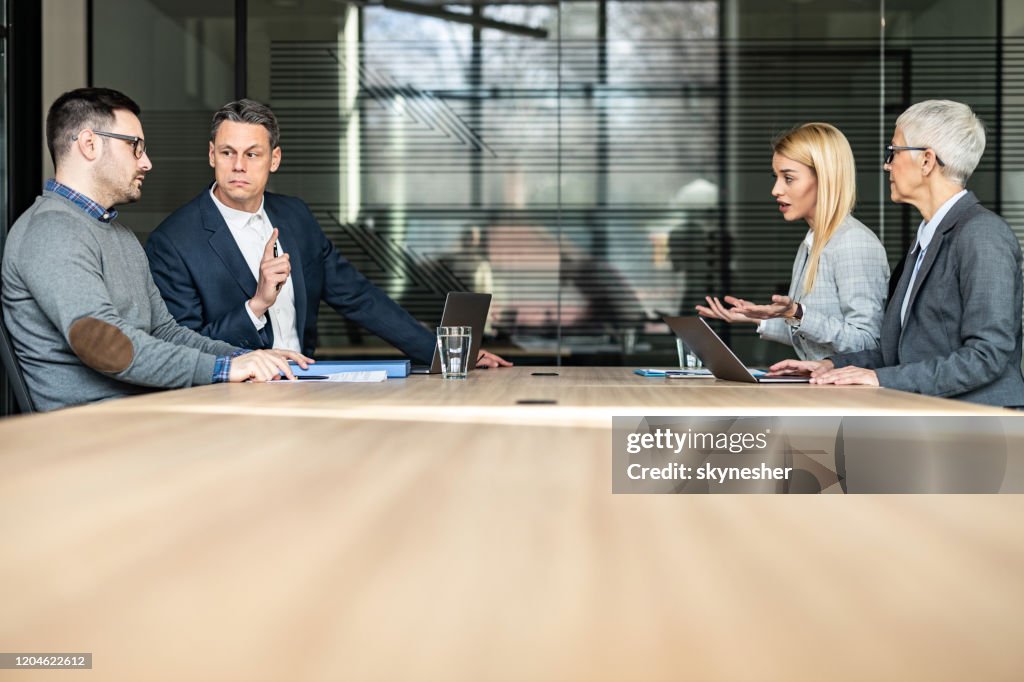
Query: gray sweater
{"x": 62, "y": 267}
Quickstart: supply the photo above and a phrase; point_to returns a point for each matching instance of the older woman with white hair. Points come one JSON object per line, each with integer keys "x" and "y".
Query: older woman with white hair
{"x": 952, "y": 326}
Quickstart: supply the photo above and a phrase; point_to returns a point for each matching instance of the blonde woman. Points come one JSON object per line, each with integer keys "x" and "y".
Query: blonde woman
{"x": 840, "y": 275}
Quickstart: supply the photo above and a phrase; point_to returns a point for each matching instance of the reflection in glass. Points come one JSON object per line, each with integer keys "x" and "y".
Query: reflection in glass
{"x": 593, "y": 164}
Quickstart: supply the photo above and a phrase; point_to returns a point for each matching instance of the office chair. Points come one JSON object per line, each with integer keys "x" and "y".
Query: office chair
{"x": 13, "y": 370}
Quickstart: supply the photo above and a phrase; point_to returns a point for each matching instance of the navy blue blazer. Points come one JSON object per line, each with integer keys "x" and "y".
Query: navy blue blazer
{"x": 205, "y": 281}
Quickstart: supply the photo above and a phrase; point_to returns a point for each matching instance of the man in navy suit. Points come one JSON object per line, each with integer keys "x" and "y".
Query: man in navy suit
{"x": 250, "y": 267}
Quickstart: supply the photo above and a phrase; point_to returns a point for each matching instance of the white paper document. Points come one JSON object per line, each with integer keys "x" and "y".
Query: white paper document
{"x": 347, "y": 377}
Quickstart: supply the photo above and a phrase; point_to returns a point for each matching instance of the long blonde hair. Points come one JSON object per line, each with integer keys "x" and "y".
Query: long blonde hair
{"x": 827, "y": 152}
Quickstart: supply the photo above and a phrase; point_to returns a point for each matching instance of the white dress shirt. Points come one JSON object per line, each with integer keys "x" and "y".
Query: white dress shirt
{"x": 251, "y": 232}
{"x": 925, "y": 234}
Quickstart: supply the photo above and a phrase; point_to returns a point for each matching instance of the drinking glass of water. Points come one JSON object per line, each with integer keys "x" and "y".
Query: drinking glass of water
{"x": 687, "y": 358}
{"x": 453, "y": 345}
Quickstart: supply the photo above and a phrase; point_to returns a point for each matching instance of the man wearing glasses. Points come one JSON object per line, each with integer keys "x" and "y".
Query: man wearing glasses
{"x": 952, "y": 326}
{"x": 250, "y": 267}
{"x": 86, "y": 321}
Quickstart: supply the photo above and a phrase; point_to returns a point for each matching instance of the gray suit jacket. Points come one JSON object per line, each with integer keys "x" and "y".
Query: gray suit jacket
{"x": 843, "y": 312}
{"x": 962, "y": 333}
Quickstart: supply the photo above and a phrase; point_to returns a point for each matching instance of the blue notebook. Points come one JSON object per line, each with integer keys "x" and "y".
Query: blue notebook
{"x": 396, "y": 369}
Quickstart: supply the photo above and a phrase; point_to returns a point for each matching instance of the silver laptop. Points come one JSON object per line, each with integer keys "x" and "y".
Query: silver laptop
{"x": 717, "y": 356}
{"x": 461, "y": 309}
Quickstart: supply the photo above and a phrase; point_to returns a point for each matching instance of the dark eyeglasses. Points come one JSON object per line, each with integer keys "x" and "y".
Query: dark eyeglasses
{"x": 138, "y": 143}
{"x": 889, "y": 152}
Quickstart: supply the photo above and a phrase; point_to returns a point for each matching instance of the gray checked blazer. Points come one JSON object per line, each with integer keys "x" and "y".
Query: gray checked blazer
{"x": 962, "y": 333}
{"x": 843, "y": 312}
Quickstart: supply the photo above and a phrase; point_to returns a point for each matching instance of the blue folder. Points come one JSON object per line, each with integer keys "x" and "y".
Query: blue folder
{"x": 396, "y": 369}
{"x": 672, "y": 372}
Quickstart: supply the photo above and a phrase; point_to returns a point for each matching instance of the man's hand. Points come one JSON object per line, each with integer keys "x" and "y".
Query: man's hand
{"x": 274, "y": 273}
{"x": 485, "y": 360}
{"x": 800, "y": 367}
{"x": 781, "y": 306}
{"x": 259, "y": 365}
{"x": 717, "y": 310}
{"x": 296, "y": 357}
{"x": 846, "y": 376}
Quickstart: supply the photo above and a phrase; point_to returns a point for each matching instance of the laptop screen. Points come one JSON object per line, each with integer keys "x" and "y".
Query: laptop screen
{"x": 713, "y": 352}
{"x": 464, "y": 309}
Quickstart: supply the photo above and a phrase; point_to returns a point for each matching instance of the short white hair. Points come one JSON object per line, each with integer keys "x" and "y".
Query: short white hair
{"x": 951, "y": 130}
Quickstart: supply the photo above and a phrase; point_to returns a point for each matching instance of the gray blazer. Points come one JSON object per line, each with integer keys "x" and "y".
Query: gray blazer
{"x": 843, "y": 312}
{"x": 962, "y": 334}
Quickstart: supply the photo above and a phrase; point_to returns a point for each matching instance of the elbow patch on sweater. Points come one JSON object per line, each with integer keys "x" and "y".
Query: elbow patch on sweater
{"x": 100, "y": 345}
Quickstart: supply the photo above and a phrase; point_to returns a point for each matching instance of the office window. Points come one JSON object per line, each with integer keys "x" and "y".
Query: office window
{"x": 176, "y": 60}
{"x": 594, "y": 164}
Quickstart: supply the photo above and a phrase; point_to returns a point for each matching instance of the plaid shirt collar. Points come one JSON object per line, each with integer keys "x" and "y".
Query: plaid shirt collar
{"x": 81, "y": 201}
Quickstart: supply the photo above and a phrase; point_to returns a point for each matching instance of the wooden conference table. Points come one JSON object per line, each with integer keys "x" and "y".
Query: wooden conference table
{"x": 431, "y": 529}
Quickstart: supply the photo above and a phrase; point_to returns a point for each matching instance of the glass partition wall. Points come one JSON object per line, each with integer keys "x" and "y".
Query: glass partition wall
{"x": 593, "y": 164}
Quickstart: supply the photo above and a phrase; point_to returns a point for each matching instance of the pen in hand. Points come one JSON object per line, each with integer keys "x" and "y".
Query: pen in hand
{"x": 276, "y": 254}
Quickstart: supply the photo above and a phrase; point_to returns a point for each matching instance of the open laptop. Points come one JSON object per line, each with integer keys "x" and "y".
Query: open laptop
{"x": 461, "y": 309}
{"x": 717, "y": 356}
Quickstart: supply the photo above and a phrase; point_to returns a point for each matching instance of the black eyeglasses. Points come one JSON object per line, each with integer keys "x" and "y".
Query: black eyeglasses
{"x": 138, "y": 143}
{"x": 889, "y": 152}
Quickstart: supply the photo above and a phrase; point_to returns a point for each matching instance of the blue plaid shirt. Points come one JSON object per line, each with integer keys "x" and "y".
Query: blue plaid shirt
{"x": 222, "y": 365}
{"x": 104, "y": 215}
